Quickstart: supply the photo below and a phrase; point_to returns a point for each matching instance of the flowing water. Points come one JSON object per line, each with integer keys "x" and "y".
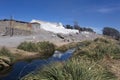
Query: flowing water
{"x": 22, "y": 68}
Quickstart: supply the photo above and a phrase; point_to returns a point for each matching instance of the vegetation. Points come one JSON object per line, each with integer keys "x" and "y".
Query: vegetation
{"x": 111, "y": 32}
{"x": 77, "y": 27}
{"x": 28, "y": 46}
{"x": 69, "y": 27}
{"x": 44, "y": 48}
{"x": 6, "y": 58}
{"x": 87, "y": 63}
{"x": 74, "y": 69}
{"x": 4, "y": 52}
{"x": 66, "y": 47}
{"x": 99, "y": 48}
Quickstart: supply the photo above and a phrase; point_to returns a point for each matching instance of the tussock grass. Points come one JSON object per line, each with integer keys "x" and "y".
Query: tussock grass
{"x": 6, "y": 58}
{"x": 4, "y": 52}
{"x": 28, "y": 46}
{"x": 99, "y": 48}
{"x": 74, "y": 69}
{"x": 64, "y": 48}
{"x": 44, "y": 48}
{"x": 85, "y": 64}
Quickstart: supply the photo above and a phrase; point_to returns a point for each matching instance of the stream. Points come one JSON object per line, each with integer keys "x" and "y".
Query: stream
{"x": 23, "y": 68}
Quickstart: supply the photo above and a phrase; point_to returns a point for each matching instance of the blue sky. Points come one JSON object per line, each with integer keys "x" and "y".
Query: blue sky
{"x": 88, "y": 13}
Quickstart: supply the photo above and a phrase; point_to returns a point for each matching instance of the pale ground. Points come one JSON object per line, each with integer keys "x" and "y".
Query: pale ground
{"x": 42, "y": 35}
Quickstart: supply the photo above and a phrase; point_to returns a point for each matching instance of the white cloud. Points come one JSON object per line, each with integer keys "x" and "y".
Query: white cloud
{"x": 108, "y": 10}
{"x": 104, "y": 10}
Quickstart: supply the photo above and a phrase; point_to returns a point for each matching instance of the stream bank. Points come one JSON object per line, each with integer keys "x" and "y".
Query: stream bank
{"x": 22, "y": 68}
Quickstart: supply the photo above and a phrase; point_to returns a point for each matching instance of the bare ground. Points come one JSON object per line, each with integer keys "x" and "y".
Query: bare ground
{"x": 43, "y": 35}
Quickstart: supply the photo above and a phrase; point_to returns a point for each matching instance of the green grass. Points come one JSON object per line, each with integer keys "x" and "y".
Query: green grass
{"x": 85, "y": 64}
{"x": 28, "y": 46}
{"x": 6, "y": 58}
{"x": 99, "y": 48}
{"x": 4, "y": 52}
{"x": 64, "y": 48}
{"x": 74, "y": 69}
{"x": 44, "y": 48}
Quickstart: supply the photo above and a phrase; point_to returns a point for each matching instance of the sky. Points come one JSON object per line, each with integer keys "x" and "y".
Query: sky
{"x": 96, "y": 14}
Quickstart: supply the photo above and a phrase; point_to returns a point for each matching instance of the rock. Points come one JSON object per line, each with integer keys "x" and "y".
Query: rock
{"x": 5, "y": 61}
{"x": 3, "y": 64}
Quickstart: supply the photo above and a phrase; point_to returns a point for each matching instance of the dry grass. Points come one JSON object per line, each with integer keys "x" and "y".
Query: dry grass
{"x": 93, "y": 60}
{"x": 65, "y": 47}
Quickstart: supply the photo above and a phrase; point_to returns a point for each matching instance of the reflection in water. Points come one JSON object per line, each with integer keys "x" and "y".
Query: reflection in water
{"x": 22, "y": 68}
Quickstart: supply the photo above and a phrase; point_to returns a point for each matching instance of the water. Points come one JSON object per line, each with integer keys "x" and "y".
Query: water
{"x": 22, "y": 68}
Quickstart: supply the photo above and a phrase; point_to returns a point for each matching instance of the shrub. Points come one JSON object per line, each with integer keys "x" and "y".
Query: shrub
{"x": 68, "y": 26}
{"x": 111, "y": 32}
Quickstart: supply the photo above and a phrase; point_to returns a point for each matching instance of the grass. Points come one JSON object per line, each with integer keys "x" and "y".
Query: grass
{"x": 74, "y": 69}
{"x": 6, "y": 58}
{"x": 4, "y": 52}
{"x": 28, "y": 46}
{"x": 85, "y": 64}
{"x": 44, "y": 48}
{"x": 99, "y": 48}
{"x": 64, "y": 48}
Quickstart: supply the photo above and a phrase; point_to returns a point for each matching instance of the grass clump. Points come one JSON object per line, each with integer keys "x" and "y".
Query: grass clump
{"x": 44, "y": 48}
{"x": 28, "y": 46}
{"x": 99, "y": 48}
{"x": 6, "y": 58}
{"x": 64, "y": 48}
{"x": 74, "y": 69}
{"x": 4, "y": 52}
